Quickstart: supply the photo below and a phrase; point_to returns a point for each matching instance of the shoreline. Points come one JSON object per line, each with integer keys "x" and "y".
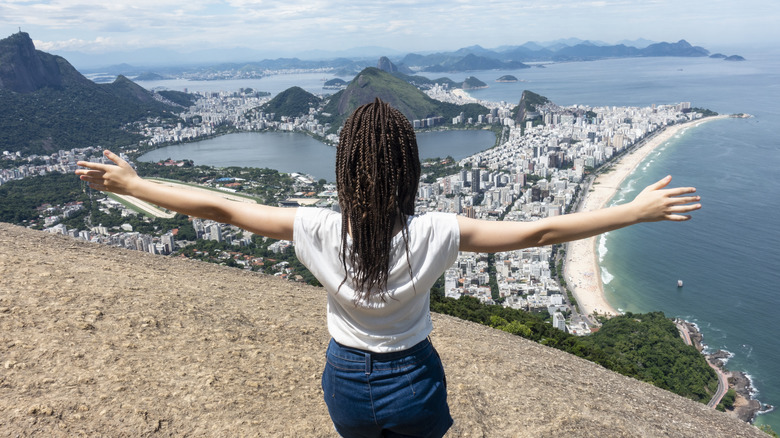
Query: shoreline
{"x": 746, "y": 406}
{"x": 582, "y": 271}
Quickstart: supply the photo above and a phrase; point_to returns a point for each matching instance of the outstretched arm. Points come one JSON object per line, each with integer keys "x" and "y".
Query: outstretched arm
{"x": 654, "y": 203}
{"x": 261, "y": 219}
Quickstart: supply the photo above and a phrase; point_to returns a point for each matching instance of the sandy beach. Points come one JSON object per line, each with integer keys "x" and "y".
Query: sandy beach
{"x": 581, "y": 269}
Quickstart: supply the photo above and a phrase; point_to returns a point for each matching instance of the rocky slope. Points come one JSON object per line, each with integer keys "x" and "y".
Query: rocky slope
{"x": 98, "y": 341}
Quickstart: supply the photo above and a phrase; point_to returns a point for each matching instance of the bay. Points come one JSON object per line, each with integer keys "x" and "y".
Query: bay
{"x": 296, "y": 152}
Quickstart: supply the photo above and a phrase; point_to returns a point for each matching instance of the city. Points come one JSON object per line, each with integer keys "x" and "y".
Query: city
{"x": 536, "y": 171}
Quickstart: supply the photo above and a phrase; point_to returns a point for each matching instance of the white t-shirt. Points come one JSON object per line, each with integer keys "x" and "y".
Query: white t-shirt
{"x": 403, "y": 319}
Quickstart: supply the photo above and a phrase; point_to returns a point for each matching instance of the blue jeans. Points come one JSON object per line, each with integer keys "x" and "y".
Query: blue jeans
{"x": 401, "y": 394}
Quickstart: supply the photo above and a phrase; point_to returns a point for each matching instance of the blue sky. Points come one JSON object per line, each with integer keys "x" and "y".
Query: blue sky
{"x": 291, "y": 26}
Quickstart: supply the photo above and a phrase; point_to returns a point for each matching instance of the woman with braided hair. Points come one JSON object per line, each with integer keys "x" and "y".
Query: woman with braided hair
{"x": 378, "y": 260}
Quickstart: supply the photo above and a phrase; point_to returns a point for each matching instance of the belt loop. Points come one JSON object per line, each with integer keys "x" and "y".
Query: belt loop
{"x": 368, "y": 363}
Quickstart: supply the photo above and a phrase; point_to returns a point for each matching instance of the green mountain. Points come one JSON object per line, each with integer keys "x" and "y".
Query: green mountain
{"x": 48, "y": 105}
{"x": 472, "y": 83}
{"x": 413, "y": 103}
{"x": 292, "y": 102}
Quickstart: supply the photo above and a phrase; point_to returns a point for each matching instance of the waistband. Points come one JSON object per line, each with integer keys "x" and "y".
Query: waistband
{"x": 355, "y": 358}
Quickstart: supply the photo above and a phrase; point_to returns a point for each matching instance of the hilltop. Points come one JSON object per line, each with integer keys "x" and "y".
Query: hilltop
{"x": 100, "y": 341}
{"x": 400, "y": 94}
{"x": 48, "y": 105}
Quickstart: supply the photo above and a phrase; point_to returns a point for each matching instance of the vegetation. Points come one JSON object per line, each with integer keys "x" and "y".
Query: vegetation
{"x": 22, "y": 198}
{"x": 50, "y": 119}
{"x": 646, "y": 347}
{"x": 292, "y": 102}
{"x": 471, "y": 82}
{"x": 227, "y": 254}
{"x": 435, "y": 168}
{"x": 179, "y": 97}
{"x": 727, "y": 402}
{"x": 704, "y": 112}
{"x": 413, "y": 103}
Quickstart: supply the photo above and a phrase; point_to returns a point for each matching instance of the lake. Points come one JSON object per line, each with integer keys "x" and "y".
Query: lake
{"x": 297, "y": 152}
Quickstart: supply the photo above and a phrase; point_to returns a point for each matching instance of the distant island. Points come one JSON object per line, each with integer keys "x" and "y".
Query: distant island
{"x": 727, "y": 58}
{"x": 507, "y": 78}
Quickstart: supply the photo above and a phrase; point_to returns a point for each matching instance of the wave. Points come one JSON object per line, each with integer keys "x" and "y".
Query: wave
{"x": 606, "y": 277}
{"x": 752, "y": 387}
{"x": 602, "y": 249}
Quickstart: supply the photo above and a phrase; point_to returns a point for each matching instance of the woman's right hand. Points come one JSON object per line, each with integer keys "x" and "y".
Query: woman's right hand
{"x": 118, "y": 179}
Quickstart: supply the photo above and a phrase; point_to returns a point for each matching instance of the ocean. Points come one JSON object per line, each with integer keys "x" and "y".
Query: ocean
{"x": 727, "y": 255}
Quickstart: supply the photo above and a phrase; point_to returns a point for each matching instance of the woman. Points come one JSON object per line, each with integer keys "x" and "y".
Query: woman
{"x": 378, "y": 260}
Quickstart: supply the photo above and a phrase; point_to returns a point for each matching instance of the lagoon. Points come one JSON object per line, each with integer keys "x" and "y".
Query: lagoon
{"x": 297, "y": 152}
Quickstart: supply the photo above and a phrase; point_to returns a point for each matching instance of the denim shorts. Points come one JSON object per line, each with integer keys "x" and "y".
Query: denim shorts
{"x": 401, "y": 394}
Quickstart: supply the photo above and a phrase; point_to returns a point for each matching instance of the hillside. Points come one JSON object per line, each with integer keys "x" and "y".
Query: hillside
{"x": 413, "y": 103}
{"x": 292, "y": 102}
{"x": 48, "y": 105}
{"x": 99, "y": 341}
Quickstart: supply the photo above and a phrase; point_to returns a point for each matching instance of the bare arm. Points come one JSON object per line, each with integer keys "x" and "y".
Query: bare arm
{"x": 654, "y": 203}
{"x": 261, "y": 219}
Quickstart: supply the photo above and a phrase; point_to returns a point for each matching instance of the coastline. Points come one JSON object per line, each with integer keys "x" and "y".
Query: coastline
{"x": 581, "y": 265}
{"x": 746, "y": 407}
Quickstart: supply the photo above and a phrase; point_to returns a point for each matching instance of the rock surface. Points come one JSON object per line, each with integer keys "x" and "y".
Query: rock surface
{"x": 99, "y": 341}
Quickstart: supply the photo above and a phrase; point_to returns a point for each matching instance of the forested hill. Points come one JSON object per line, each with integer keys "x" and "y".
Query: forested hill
{"x": 47, "y": 105}
{"x": 100, "y": 341}
{"x": 413, "y": 103}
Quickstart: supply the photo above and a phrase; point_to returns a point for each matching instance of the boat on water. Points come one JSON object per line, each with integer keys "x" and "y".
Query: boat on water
{"x": 679, "y": 283}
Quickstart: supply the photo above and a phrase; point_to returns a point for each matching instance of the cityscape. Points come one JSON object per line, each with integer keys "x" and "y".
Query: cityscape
{"x": 536, "y": 171}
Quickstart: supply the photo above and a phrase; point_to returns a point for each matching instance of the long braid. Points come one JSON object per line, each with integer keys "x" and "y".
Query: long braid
{"x": 377, "y": 173}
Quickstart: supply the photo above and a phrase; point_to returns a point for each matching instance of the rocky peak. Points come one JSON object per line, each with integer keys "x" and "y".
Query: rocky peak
{"x": 24, "y": 69}
{"x": 385, "y": 64}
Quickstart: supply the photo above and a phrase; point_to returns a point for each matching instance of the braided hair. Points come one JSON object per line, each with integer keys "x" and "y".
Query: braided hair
{"x": 377, "y": 174}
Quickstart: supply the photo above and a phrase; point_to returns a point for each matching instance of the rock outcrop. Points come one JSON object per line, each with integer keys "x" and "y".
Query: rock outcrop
{"x": 99, "y": 341}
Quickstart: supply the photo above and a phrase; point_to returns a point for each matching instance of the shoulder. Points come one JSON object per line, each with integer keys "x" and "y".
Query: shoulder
{"x": 435, "y": 219}
{"x": 315, "y": 221}
{"x": 435, "y": 226}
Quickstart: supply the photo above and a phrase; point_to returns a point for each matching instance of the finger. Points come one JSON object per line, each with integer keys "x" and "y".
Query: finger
{"x": 90, "y": 173}
{"x": 677, "y": 191}
{"x": 92, "y": 165}
{"x": 684, "y": 208}
{"x": 677, "y": 217}
{"x": 115, "y": 158}
{"x": 685, "y": 199}
{"x": 663, "y": 182}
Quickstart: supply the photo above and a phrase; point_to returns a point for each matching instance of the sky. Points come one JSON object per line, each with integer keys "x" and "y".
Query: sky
{"x": 290, "y": 27}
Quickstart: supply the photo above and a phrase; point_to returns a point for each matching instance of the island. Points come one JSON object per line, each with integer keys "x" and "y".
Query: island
{"x": 507, "y": 78}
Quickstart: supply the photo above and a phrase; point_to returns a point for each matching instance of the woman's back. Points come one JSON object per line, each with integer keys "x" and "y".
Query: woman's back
{"x": 391, "y": 321}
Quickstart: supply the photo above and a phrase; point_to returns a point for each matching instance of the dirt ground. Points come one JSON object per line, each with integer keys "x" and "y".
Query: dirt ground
{"x": 99, "y": 341}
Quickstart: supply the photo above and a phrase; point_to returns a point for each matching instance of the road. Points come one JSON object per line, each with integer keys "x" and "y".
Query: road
{"x": 723, "y": 380}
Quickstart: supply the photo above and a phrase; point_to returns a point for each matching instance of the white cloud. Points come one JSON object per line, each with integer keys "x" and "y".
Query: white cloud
{"x": 401, "y": 24}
